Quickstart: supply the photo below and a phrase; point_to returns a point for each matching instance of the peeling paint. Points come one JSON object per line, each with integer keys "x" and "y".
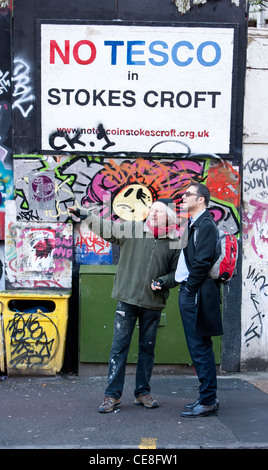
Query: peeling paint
{"x": 185, "y": 5}
{"x": 4, "y": 3}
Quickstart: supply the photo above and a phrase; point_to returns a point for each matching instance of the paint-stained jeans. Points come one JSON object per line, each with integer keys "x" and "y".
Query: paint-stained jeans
{"x": 125, "y": 319}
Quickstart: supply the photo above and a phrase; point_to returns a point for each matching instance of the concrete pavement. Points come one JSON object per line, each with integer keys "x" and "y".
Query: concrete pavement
{"x": 61, "y": 413}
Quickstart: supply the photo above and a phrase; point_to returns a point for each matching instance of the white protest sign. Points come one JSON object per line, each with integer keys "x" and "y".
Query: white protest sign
{"x": 127, "y": 88}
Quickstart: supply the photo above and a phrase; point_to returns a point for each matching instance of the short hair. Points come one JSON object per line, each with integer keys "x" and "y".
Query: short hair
{"x": 202, "y": 191}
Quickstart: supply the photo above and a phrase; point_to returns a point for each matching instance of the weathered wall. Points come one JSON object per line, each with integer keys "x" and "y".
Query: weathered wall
{"x": 110, "y": 183}
{"x": 6, "y": 173}
{"x": 254, "y": 319}
{"x": 47, "y": 182}
{"x": 38, "y": 255}
{"x": 62, "y": 179}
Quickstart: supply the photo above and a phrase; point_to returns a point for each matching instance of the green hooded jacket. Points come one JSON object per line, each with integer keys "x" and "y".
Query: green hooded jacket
{"x": 143, "y": 258}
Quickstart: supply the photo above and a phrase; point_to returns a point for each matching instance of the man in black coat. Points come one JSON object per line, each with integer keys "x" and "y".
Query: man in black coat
{"x": 199, "y": 298}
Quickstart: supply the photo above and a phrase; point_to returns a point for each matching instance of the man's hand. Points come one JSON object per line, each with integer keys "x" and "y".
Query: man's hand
{"x": 156, "y": 285}
{"x": 74, "y": 213}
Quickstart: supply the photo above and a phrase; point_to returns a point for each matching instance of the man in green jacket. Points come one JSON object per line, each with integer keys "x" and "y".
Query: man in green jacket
{"x": 149, "y": 254}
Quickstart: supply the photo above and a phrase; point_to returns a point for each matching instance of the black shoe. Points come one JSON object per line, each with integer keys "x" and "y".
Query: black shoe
{"x": 190, "y": 406}
{"x": 200, "y": 410}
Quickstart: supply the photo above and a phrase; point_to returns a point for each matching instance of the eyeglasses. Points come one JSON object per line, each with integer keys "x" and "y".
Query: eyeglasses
{"x": 188, "y": 193}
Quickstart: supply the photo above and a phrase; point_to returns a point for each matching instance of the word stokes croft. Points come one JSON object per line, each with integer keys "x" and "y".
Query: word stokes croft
{"x": 151, "y": 98}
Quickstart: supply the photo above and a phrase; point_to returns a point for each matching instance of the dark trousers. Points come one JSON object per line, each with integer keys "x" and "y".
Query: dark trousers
{"x": 125, "y": 319}
{"x": 200, "y": 349}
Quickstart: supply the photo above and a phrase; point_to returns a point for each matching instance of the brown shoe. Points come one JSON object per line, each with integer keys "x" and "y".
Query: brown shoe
{"x": 146, "y": 400}
{"x": 109, "y": 404}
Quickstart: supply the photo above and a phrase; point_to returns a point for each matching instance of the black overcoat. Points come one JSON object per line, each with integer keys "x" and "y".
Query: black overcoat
{"x": 199, "y": 256}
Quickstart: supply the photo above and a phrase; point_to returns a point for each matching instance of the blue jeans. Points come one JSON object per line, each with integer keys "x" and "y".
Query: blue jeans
{"x": 200, "y": 349}
{"x": 125, "y": 319}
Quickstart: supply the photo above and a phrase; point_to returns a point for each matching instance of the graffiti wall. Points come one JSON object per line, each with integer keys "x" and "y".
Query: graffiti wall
{"x": 255, "y": 272}
{"x": 92, "y": 126}
{"x": 119, "y": 189}
{"x": 254, "y": 335}
{"x": 6, "y": 174}
{"x": 38, "y": 255}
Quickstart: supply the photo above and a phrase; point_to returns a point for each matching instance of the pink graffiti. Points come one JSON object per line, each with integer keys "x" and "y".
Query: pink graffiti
{"x": 256, "y": 223}
{"x": 163, "y": 179}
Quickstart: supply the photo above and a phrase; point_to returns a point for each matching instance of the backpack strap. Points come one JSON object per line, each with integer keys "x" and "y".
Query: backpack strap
{"x": 196, "y": 230}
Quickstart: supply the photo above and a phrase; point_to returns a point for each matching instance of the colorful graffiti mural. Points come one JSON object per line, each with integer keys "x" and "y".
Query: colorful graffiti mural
{"x": 254, "y": 272}
{"x": 121, "y": 189}
{"x": 6, "y": 173}
{"x": 38, "y": 254}
{"x": 133, "y": 164}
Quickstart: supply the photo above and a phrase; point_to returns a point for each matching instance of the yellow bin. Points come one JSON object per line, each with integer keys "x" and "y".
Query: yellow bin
{"x": 34, "y": 327}
{"x": 2, "y": 349}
